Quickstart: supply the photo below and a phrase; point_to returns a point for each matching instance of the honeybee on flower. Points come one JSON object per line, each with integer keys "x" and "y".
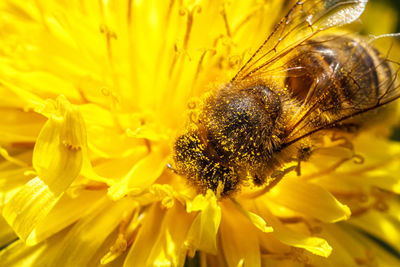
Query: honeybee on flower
{"x": 95, "y": 99}
{"x": 303, "y": 83}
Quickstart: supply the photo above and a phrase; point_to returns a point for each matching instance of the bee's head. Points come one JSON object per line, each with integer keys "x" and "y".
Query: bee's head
{"x": 193, "y": 160}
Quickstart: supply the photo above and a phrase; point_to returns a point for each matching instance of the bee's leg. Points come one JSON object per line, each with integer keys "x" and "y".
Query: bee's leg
{"x": 303, "y": 154}
{"x": 279, "y": 174}
{"x": 271, "y": 181}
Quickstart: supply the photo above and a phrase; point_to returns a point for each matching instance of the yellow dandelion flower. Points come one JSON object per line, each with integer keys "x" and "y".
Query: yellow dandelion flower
{"x": 94, "y": 95}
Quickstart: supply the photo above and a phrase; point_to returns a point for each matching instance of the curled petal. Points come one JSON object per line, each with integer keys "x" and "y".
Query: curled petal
{"x": 202, "y": 234}
{"x": 315, "y": 245}
{"x": 57, "y": 159}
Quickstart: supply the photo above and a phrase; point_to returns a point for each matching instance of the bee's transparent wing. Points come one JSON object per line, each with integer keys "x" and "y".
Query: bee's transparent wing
{"x": 304, "y": 124}
{"x": 305, "y": 19}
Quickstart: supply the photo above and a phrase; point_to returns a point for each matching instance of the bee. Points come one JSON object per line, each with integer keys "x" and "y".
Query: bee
{"x": 303, "y": 82}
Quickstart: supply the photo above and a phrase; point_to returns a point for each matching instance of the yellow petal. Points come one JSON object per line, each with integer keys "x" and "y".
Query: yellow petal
{"x": 19, "y": 254}
{"x": 202, "y": 233}
{"x": 256, "y": 220}
{"x": 139, "y": 253}
{"x": 309, "y": 199}
{"x": 345, "y": 182}
{"x": 18, "y": 126}
{"x": 25, "y": 12}
{"x": 12, "y": 178}
{"x": 48, "y": 85}
{"x": 315, "y": 245}
{"x": 65, "y": 212}
{"x": 141, "y": 176}
{"x": 346, "y": 248}
{"x": 169, "y": 249}
{"x": 89, "y": 233}
{"x": 117, "y": 250}
{"x": 6, "y": 233}
{"x": 394, "y": 210}
{"x": 374, "y": 252}
{"x": 57, "y": 158}
{"x": 6, "y": 156}
{"x": 239, "y": 239}
{"x": 383, "y": 226}
{"x": 384, "y": 180}
{"x": 28, "y": 207}
{"x": 28, "y": 100}
{"x": 111, "y": 171}
{"x": 109, "y": 142}
{"x": 272, "y": 262}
